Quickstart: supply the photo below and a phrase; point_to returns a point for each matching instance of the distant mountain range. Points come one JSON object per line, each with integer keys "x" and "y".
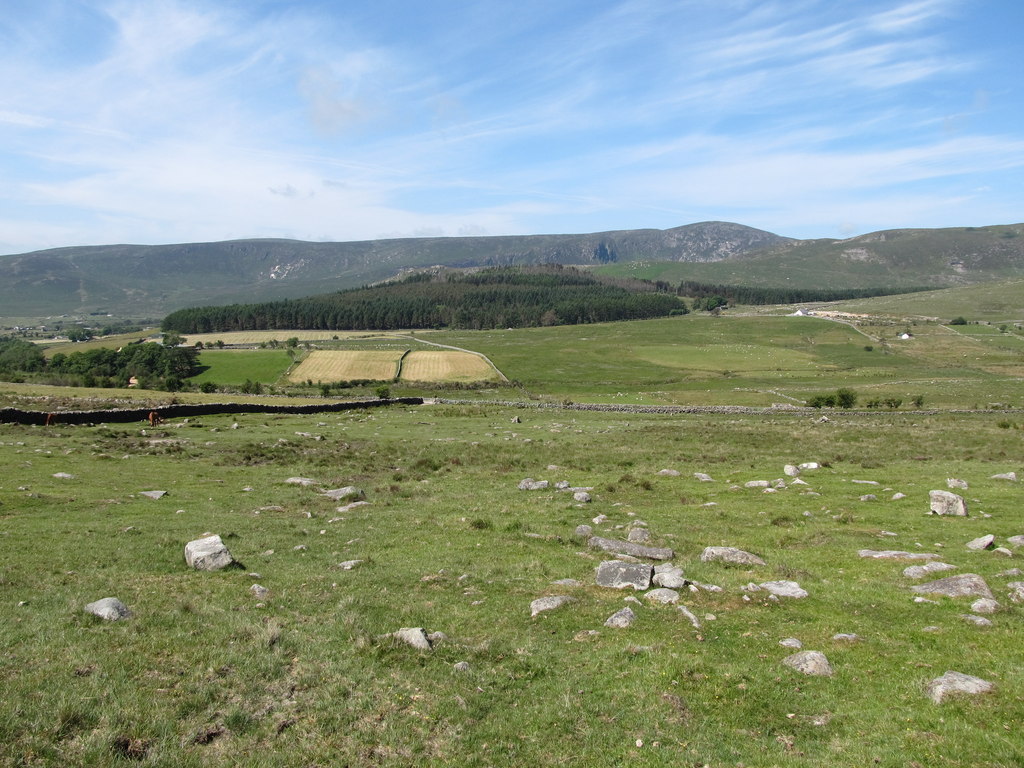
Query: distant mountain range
{"x": 152, "y": 280}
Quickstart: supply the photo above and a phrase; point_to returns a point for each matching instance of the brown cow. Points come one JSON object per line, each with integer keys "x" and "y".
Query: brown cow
{"x": 154, "y": 418}
{"x": 51, "y": 419}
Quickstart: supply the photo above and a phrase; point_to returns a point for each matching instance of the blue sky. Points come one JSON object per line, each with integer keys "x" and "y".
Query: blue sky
{"x": 192, "y": 120}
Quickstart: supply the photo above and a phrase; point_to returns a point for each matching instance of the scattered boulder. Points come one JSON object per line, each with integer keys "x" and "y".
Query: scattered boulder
{"x": 549, "y": 603}
{"x": 348, "y": 493}
{"x": 63, "y": 476}
{"x": 810, "y": 663}
{"x": 756, "y": 484}
{"x": 582, "y": 497}
{"x": 964, "y": 585}
{"x": 305, "y": 482}
{"x": 461, "y": 666}
{"x": 349, "y": 507}
{"x": 583, "y": 531}
{"x": 953, "y": 683}
{"x": 810, "y": 465}
{"x": 669, "y": 472}
{"x": 153, "y": 494}
{"x": 689, "y": 615}
{"x": 208, "y": 554}
{"x": 869, "y": 497}
{"x": 920, "y": 571}
{"x": 259, "y": 591}
{"x": 704, "y": 478}
{"x": 895, "y": 554}
{"x": 946, "y": 503}
{"x": 865, "y": 482}
{"x": 567, "y": 583}
{"x": 897, "y": 496}
{"x": 639, "y": 535}
{"x": 348, "y": 565}
{"x": 1016, "y": 591}
{"x": 619, "y": 575}
{"x": 730, "y": 555}
{"x": 784, "y": 589}
{"x": 1002, "y": 551}
{"x": 662, "y": 595}
{"x": 791, "y": 471}
{"x": 985, "y": 605}
{"x": 414, "y": 636}
{"x": 791, "y": 642}
{"x": 1011, "y": 476}
{"x": 671, "y": 577}
{"x": 529, "y": 484}
{"x": 109, "y": 609}
{"x": 621, "y": 619}
{"x": 1015, "y": 541}
{"x": 982, "y": 542}
{"x": 629, "y": 548}
{"x": 846, "y": 637}
{"x": 952, "y": 482}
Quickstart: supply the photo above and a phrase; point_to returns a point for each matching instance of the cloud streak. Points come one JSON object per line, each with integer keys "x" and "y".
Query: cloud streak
{"x": 178, "y": 120}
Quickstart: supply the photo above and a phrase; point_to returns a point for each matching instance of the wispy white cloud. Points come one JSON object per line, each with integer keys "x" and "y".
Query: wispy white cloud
{"x": 182, "y": 120}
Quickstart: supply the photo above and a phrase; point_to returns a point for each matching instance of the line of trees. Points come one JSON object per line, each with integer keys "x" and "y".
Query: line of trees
{"x": 493, "y": 298}
{"x": 154, "y": 366}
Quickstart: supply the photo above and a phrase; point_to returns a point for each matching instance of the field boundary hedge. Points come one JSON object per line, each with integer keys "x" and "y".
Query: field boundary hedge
{"x": 119, "y": 415}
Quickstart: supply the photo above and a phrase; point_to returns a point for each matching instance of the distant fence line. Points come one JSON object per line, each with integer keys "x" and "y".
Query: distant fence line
{"x": 120, "y": 415}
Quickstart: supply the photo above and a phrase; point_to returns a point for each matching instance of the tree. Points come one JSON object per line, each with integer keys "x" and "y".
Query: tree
{"x": 846, "y": 398}
{"x": 958, "y": 321}
{"x": 383, "y": 392}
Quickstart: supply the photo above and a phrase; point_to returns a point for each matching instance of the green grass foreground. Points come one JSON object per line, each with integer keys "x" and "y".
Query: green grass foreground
{"x": 206, "y": 674}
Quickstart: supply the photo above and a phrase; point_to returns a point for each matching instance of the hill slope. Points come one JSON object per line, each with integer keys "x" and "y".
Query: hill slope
{"x": 892, "y": 258}
{"x": 149, "y": 281}
{"x": 153, "y": 280}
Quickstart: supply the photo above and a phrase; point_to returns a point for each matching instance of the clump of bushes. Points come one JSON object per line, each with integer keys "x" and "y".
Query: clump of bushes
{"x": 841, "y": 398}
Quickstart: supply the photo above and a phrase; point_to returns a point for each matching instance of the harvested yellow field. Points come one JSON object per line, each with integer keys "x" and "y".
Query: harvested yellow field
{"x": 444, "y": 365}
{"x": 346, "y": 365}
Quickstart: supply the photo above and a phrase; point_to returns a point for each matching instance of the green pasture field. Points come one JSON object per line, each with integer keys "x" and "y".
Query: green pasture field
{"x": 752, "y": 360}
{"x": 235, "y": 366}
{"x": 997, "y": 302}
{"x": 207, "y": 674}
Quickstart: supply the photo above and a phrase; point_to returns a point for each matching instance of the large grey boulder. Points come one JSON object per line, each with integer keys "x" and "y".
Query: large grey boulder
{"x": 946, "y": 503}
{"x": 629, "y": 548}
{"x": 109, "y": 609}
{"x": 953, "y": 683}
{"x": 964, "y": 585}
{"x": 208, "y": 554}
{"x": 619, "y": 575}
{"x": 348, "y": 493}
{"x": 920, "y": 571}
{"x": 414, "y": 636}
{"x": 982, "y": 542}
{"x": 1011, "y": 476}
{"x": 810, "y": 663}
{"x": 784, "y": 589}
{"x": 895, "y": 554}
{"x": 549, "y": 603}
{"x": 662, "y": 595}
{"x": 1015, "y": 541}
{"x": 621, "y": 619}
{"x": 1016, "y": 591}
{"x": 671, "y": 577}
{"x": 529, "y": 484}
{"x": 730, "y": 555}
